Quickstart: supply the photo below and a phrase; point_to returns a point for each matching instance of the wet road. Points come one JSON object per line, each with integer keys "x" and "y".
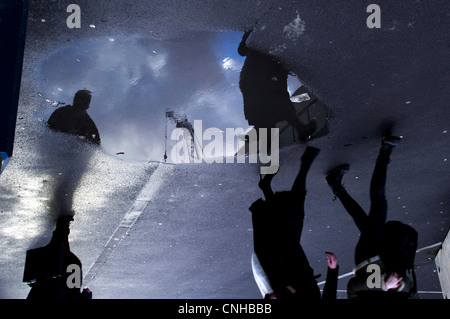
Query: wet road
{"x": 199, "y": 213}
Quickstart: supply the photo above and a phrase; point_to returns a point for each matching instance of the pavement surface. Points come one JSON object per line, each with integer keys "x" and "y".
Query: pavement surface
{"x": 155, "y": 230}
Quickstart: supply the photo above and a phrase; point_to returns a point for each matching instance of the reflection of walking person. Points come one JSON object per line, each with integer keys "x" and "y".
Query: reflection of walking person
{"x": 263, "y": 84}
{"x": 376, "y": 243}
{"x": 46, "y": 268}
{"x": 74, "y": 119}
{"x": 278, "y": 255}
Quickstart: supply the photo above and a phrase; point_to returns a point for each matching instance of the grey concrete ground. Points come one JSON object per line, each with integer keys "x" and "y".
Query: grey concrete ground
{"x": 192, "y": 236}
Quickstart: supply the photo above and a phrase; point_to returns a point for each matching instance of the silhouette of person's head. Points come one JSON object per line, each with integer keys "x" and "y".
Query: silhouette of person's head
{"x": 82, "y": 99}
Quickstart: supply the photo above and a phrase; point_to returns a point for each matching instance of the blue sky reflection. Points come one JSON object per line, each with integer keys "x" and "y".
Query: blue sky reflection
{"x": 134, "y": 80}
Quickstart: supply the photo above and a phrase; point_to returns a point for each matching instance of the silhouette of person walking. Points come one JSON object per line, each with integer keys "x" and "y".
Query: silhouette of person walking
{"x": 277, "y": 226}
{"x": 74, "y": 119}
{"x": 378, "y": 240}
{"x": 46, "y": 268}
{"x": 263, "y": 83}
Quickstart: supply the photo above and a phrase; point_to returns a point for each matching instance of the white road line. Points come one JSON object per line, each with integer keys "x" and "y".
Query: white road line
{"x": 428, "y": 247}
{"x": 145, "y": 196}
{"x": 419, "y": 292}
{"x": 417, "y": 251}
{"x": 429, "y": 292}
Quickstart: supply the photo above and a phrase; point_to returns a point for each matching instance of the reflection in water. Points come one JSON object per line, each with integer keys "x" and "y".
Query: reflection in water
{"x": 74, "y": 119}
{"x": 263, "y": 83}
{"x": 267, "y": 100}
{"x": 389, "y": 246}
{"x": 73, "y": 158}
{"x": 53, "y": 271}
{"x": 278, "y": 255}
{"x": 135, "y": 81}
{"x": 310, "y": 109}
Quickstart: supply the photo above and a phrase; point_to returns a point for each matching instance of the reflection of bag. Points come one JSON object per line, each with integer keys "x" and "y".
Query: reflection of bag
{"x": 399, "y": 249}
{"x": 44, "y": 262}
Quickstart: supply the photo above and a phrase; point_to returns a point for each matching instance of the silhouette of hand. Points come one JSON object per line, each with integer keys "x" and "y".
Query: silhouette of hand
{"x": 393, "y": 281}
{"x": 331, "y": 260}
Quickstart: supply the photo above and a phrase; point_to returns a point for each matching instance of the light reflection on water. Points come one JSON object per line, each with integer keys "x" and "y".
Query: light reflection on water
{"x": 135, "y": 80}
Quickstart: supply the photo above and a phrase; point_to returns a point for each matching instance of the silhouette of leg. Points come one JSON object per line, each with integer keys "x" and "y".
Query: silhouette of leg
{"x": 371, "y": 226}
{"x": 62, "y": 231}
{"x": 58, "y": 249}
{"x": 264, "y": 185}
{"x": 299, "y": 186}
{"x": 365, "y": 247}
{"x": 378, "y": 182}
{"x": 371, "y": 239}
{"x": 334, "y": 180}
{"x": 358, "y": 215}
{"x": 378, "y": 209}
{"x": 296, "y": 199}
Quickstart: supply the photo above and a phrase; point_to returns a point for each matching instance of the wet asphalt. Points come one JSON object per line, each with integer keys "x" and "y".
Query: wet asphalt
{"x": 191, "y": 232}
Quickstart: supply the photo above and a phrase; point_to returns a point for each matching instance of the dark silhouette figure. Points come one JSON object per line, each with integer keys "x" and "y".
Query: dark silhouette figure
{"x": 74, "y": 119}
{"x": 263, "y": 83}
{"x": 391, "y": 245}
{"x": 46, "y": 268}
{"x": 277, "y": 225}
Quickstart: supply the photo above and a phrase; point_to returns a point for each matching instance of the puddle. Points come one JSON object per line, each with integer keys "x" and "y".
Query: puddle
{"x": 142, "y": 89}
